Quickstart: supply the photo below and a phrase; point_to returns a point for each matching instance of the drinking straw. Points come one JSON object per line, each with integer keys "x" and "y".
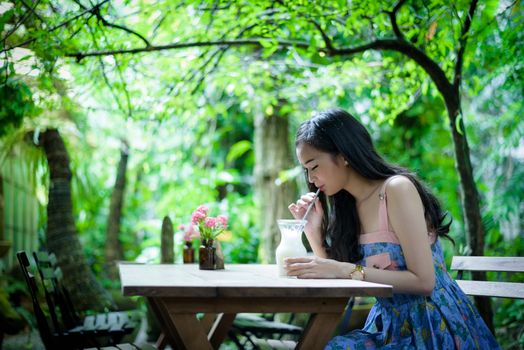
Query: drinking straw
{"x": 308, "y": 210}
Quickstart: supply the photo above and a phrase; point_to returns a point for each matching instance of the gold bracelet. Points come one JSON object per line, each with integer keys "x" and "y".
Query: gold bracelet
{"x": 360, "y": 269}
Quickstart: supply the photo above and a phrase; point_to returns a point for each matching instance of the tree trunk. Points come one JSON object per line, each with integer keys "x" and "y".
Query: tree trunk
{"x": 113, "y": 247}
{"x": 272, "y": 155}
{"x": 167, "y": 243}
{"x": 470, "y": 199}
{"x": 86, "y": 291}
{"x": 1, "y": 209}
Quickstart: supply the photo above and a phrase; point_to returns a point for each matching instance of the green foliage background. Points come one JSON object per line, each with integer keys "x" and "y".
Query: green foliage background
{"x": 188, "y": 113}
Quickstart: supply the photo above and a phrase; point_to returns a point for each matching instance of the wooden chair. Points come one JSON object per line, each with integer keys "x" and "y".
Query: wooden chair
{"x": 497, "y": 289}
{"x": 251, "y": 328}
{"x": 53, "y": 335}
{"x": 262, "y": 334}
{"x": 113, "y": 325}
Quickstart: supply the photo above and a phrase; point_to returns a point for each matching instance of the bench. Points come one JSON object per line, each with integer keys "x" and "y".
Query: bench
{"x": 496, "y": 289}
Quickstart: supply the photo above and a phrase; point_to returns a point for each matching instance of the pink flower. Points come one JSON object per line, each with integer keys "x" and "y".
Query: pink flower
{"x": 208, "y": 226}
{"x": 197, "y": 216}
{"x": 203, "y": 209}
{"x": 210, "y": 222}
{"x": 222, "y": 220}
{"x": 191, "y": 233}
{"x": 181, "y": 227}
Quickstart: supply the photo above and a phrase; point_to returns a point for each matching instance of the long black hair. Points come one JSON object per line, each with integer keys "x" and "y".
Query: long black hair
{"x": 335, "y": 131}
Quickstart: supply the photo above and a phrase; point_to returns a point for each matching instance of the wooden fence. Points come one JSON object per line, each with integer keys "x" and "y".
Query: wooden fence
{"x": 20, "y": 209}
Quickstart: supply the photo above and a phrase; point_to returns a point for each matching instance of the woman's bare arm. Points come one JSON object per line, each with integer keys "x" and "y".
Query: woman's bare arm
{"x": 406, "y": 215}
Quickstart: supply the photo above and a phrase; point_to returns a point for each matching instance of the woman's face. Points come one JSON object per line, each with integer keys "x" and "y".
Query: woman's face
{"x": 326, "y": 171}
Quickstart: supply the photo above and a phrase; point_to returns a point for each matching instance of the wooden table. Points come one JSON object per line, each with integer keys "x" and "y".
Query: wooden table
{"x": 177, "y": 292}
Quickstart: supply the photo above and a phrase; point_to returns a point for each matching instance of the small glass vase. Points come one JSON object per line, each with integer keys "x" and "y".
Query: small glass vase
{"x": 206, "y": 255}
{"x": 189, "y": 253}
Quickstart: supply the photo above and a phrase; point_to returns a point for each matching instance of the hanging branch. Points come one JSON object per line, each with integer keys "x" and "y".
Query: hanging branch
{"x": 126, "y": 91}
{"x": 33, "y": 10}
{"x": 104, "y": 75}
{"x": 393, "y": 18}
{"x": 462, "y": 43}
{"x": 109, "y": 85}
{"x": 221, "y": 51}
{"x": 118, "y": 26}
{"x": 21, "y": 21}
{"x": 212, "y": 16}
{"x": 164, "y": 16}
{"x": 325, "y": 37}
{"x": 215, "y": 65}
{"x": 193, "y": 73}
{"x": 99, "y": 17}
{"x": 28, "y": 41}
{"x": 108, "y": 24}
{"x": 6, "y": 69}
{"x": 398, "y": 44}
{"x": 124, "y": 84}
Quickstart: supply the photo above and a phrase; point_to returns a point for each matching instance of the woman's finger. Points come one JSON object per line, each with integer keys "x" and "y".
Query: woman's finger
{"x": 308, "y": 197}
{"x": 293, "y": 208}
{"x": 302, "y": 203}
{"x": 298, "y": 267}
{"x": 303, "y": 259}
{"x": 297, "y": 272}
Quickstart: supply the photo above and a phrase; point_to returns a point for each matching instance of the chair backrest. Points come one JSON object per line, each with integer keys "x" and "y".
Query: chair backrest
{"x": 43, "y": 326}
{"x": 52, "y": 276}
{"x": 492, "y": 264}
{"x": 488, "y": 263}
{"x": 61, "y": 336}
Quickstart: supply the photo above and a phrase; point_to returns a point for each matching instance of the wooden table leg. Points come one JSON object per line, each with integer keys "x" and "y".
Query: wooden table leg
{"x": 190, "y": 330}
{"x": 207, "y": 321}
{"x": 216, "y": 329}
{"x": 161, "y": 341}
{"x": 319, "y": 331}
{"x": 169, "y": 334}
{"x": 220, "y": 328}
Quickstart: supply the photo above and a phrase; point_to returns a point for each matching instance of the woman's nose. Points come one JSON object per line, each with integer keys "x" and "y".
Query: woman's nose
{"x": 310, "y": 178}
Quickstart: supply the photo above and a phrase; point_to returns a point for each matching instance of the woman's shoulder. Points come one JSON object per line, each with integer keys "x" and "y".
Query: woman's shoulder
{"x": 399, "y": 186}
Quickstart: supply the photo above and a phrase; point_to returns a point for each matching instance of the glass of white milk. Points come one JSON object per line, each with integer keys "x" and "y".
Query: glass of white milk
{"x": 290, "y": 243}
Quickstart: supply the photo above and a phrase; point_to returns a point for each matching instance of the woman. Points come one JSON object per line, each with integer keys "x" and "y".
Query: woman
{"x": 381, "y": 225}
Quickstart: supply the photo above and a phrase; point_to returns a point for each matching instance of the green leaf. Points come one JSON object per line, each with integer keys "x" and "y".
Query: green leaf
{"x": 4, "y": 18}
{"x": 238, "y": 149}
{"x": 266, "y": 43}
{"x": 458, "y": 124}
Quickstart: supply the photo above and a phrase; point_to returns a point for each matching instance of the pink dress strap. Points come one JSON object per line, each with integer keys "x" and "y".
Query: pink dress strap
{"x": 384, "y": 233}
{"x": 383, "y": 222}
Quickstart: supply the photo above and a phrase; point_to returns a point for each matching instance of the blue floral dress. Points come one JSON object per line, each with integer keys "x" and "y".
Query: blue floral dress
{"x": 446, "y": 319}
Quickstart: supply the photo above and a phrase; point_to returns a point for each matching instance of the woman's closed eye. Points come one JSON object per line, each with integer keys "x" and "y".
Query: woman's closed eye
{"x": 306, "y": 170}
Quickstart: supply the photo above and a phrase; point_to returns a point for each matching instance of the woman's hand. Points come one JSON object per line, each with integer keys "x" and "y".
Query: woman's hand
{"x": 314, "y": 217}
{"x": 314, "y": 267}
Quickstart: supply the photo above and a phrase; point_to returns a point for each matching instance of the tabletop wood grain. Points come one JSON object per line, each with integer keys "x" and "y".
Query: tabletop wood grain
{"x": 236, "y": 281}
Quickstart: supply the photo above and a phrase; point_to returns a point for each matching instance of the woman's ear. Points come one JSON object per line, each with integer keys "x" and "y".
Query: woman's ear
{"x": 342, "y": 160}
